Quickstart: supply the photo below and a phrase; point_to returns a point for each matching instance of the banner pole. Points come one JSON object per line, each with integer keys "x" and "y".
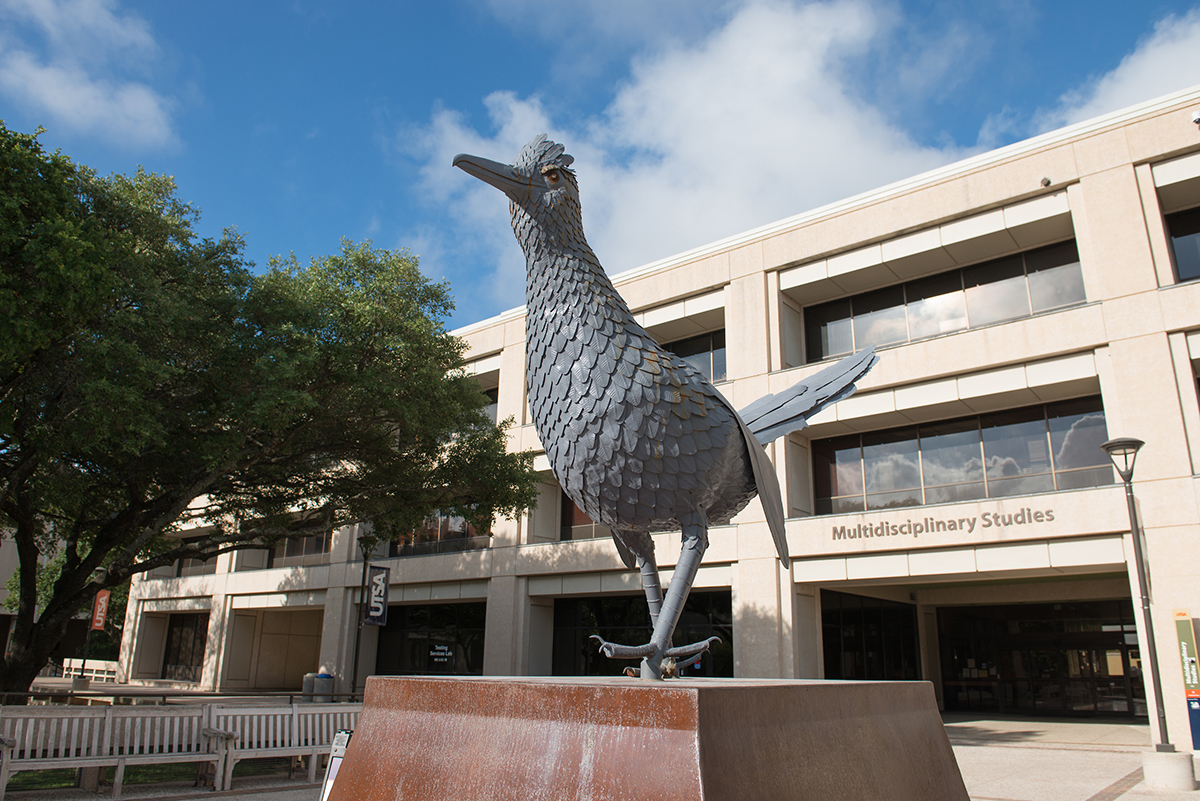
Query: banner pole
{"x": 362, "y": 611}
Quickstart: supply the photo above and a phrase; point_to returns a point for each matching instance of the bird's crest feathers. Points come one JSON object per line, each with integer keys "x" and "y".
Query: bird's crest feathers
{"x": 542, "y": 154}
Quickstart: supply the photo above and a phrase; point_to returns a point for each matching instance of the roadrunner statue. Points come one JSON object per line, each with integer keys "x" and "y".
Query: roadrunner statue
{"x": 637, "y": 437}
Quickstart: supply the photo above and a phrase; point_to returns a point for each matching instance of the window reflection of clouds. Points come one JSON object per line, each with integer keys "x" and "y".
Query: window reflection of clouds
{"x": 892, "y": 471}
{"x": 1001, "y": 300}
{"x": 880, "y": 328}
{"x": 849, "y": 478}
{"x": 969, "y": 297}
{"x": 1014, "y": 444}
{"x": 1060, "y": 286}
{"x": 879, "y": 317}
{"x": 945, "y": 464}
{"x": 951, "y": 457}
{"x": 1079, "y": 446}
{"x": 939, "y": 315}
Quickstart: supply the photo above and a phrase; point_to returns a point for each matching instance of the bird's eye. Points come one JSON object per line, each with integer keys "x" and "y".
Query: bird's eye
{"x": 552, "y": 176}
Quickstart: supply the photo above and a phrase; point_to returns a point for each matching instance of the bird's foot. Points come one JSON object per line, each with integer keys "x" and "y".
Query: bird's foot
{"x": 668, "y": 664}
{"x": 695, "y": 649}
{"x": 614, "y": 651}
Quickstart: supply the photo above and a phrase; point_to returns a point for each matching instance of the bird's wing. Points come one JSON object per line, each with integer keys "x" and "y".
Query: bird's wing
{"x": 773, "y": 416}
{"x": 768, "y": 491}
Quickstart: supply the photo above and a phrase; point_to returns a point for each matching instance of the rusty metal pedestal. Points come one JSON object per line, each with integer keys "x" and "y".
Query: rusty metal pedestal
{"x": 491, "y": 739}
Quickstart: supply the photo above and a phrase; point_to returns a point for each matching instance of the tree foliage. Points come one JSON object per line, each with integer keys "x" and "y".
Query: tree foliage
{"x": 151, "y": 383}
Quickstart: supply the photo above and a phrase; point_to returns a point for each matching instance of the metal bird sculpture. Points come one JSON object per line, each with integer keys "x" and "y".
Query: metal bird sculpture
{"x": 638, "y": 438}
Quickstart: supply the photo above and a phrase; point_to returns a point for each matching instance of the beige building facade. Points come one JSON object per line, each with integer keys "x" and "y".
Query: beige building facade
{"x": 954, "y": 521}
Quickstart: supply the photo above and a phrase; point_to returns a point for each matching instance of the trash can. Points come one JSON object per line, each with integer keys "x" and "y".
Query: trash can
{"x": 307, "y": 687}
{"x": 323, "y": 688}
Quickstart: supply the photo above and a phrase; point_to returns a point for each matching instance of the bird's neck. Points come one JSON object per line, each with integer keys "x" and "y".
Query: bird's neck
{"x": 569, "y": 289}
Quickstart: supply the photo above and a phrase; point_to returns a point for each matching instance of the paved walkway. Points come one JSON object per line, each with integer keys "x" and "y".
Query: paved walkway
{"x": 1002, "y": 759}
{"x": 1018, "y": 759}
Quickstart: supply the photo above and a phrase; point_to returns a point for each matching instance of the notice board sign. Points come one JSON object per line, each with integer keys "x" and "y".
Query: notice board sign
{"x": 341, "y": 739}
{"x": 1185, "y": 632}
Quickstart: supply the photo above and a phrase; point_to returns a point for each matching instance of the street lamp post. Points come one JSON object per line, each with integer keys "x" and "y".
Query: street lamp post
{"x": 1123, "y": 453}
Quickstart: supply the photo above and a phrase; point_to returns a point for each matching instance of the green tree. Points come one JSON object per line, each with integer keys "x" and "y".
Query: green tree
{"x": 150, "y": 383}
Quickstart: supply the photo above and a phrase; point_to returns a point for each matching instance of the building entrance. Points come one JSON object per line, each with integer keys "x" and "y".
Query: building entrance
{"x": 625, "y": 619}
{"x": 1078, "y": 658}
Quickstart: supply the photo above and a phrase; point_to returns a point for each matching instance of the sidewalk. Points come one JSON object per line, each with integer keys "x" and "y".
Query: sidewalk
{"x": 1018, "y": 759}
{"x": 1002, "y": 759}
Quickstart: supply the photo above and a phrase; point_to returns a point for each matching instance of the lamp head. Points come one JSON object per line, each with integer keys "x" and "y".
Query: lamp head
{"x": 1123, "y": 452}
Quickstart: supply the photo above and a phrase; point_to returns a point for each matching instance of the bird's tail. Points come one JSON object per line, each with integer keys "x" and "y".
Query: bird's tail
{"x": 773, "y": 416}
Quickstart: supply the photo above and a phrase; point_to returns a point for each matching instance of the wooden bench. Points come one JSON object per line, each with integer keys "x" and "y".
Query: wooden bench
{"x": 47, "y": 737}
{"x": 246, "y": 732}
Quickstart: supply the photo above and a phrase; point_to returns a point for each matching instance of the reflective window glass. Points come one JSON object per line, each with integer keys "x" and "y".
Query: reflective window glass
{"x": 718, "y": 356}
{"x": 1077, "y": 430}
{"x": 1184, "y": 228}
{"x": 879, "y": 318}
{"x": 892, "y": 469}
{"x": 1055, "y": 277}
{"x": 936, "y": 305}
{"x": 705, "y": 352}
{"x": 1014, "y": 443}
{"x": 996, "y": 291}
{"x": 1036, "y": 281}
{"x": 950, "y": 453}
{"x": 837, "y": 466}
{"x": 1017, "y": 452}
{"x": 828, "y": 330}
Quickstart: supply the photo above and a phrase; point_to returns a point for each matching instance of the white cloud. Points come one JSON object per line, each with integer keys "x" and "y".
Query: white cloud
{"x": 600, "y": 24}
{"x": 78, "y": 62}
{"x": 753, "y": 123}
{"x": 1163, "y": 62}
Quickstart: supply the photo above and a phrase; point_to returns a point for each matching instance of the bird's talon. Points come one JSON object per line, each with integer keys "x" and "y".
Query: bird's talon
{"x": 694, "y": 649}
{"x": 615, "y": 651}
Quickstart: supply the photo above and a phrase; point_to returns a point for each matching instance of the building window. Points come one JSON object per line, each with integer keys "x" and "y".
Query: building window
{"x": 432, "y": 639}
{"x": 576, "y": 525}
{"x": 300, "y": 552}
{"x": 1017, "y": 286}
{"x": 187, "y": 635}
{"x": 626, "y": 620}
{"x": 706, "y": 353}
{"x": 490, "y": 411}
{"x": 1184, "y": 228}
{"x": 869, "y": 638}
{"x": 1037, "y": 449}
{"x": 441, "y": 534}
{"x": 194, "y": 567}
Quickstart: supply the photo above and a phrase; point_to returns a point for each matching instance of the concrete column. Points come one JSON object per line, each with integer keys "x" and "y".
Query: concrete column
{"x": 505, "y": 641}
{"x": 541, "y": 637}
{"x": 806, "y": 623}
{"x": 747, "y": 327}
{"x": 214, "y": 646}
{"x": 931, "y": 659}
{"x": 763, "y": 633}
{"x": 338, "y": 628}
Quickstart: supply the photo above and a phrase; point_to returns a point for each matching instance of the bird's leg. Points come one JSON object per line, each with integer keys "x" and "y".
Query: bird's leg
{"x": 665, "y": 613}
{"x": 695, "y": 542}
{"x": 651, "y": 586}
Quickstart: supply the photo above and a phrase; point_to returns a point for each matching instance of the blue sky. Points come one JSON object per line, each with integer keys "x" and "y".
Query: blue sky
{"x": 302, "y": 122}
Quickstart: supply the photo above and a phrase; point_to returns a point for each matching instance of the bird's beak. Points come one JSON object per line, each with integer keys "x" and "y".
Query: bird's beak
{"x": 501, "y": 176}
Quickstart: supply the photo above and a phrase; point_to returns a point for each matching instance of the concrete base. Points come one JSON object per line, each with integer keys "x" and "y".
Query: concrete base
{"x": 79, "y": 686}
{"x": 491, "y": 739}
{"x": 1168, "y": 770}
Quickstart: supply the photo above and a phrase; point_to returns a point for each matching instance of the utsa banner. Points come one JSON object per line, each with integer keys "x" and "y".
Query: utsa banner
{"x": 100, "y": 610}
{"x": 377, "y": 596}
